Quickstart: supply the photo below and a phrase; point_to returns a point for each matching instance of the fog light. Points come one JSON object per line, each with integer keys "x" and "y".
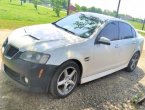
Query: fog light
{"x": 26, "y": 80}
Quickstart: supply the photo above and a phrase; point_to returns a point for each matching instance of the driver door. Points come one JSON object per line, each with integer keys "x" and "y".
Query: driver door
{"x": 107, "y": 57}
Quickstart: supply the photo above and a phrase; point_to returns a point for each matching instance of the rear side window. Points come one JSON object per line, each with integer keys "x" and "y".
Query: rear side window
{"x": 110, "y": 31}
{"x": 125, "y": 31}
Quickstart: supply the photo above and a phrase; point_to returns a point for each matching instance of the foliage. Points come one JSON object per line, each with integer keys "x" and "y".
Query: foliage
{"x": 65, "y": 4}
{"x": 14, "y": 16}
{"x": 84, "y": 8}
{"x": 142, "y": 33}
{"x": 36, "y": 2}
{"x": 107, "y": 12}
{"x": 137, "y": 25}
{"x": 135, "y": 99}
{"x": 57, "y": 6}
{"x": 95, "y": 10}
{"x": 78, "y": 8}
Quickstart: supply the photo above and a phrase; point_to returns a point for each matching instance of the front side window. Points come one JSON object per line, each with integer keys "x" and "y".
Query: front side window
{"x": 125, "y": 31}
{"x": 80, "y": 24}
{"x": 110, "y": 31}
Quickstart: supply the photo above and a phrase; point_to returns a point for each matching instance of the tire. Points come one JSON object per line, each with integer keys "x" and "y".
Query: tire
{"x": 133, "y": 62}
{"x": 65, "y": 79}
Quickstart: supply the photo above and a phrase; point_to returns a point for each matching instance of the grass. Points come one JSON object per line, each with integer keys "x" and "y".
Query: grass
{"x": 13, "y": 15}
{"x": 137, "y": 25}
{"x": 142, "y": 33}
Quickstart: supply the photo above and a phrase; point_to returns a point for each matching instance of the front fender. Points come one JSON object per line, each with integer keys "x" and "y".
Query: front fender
{"x": 61, "y": 55}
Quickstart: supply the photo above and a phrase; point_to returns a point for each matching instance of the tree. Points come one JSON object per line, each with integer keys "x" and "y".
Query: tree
{"x": 83, "y": 8}
{"x": 98, "y": 10}
{"x": 64, "y": 4}
{"x": 52, "y": 2}
{"x": 24, "y": 1}
{"x": 78, "y": 8}
{"x": 30, "y": 1}
{"x": 92, "y": 9}
{"x": 35, "y": 2}
{"x": 21, "y": 2}
{"x": 57, "y": 6}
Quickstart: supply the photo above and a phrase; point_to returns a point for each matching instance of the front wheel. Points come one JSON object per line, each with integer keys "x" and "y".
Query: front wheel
{"x": 133, "y": 62}
{"x": 65, "y": 79}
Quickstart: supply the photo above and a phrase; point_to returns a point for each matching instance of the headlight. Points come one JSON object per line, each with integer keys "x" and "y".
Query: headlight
{"x": 35, "y": 57}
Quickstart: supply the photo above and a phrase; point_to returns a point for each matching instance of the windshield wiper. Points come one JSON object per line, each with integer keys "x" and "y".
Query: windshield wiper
{"x": 64, "y": 29}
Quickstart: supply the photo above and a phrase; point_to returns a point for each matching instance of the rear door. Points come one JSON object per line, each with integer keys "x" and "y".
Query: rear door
{"x": 128, "y": 42}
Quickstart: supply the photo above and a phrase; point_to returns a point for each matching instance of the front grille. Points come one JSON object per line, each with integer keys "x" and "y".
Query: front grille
{"x": 11, "y": 51}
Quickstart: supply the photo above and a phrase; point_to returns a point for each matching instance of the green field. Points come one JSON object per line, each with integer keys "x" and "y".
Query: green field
{"x": 137, "y": 25}
{"x": 142, "y": 33}
{"x": 13, "y": 15}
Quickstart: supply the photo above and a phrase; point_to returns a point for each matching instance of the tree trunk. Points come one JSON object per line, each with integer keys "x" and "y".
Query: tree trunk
{"x": 143, "y": 24}
{"x": 57, "y": 14}
{"x": 24, "y": 1}
{"x": 35, "y": 5}
{"x": 21, "y": 2}
{"x": 68, "y": 7}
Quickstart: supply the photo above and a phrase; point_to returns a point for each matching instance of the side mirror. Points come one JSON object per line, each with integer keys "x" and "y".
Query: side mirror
{"x": 104, "y": 40}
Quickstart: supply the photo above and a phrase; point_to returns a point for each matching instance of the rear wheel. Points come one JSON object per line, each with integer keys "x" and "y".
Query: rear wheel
{"x": 133, "y": 62}
{"x": 65, "y": 79}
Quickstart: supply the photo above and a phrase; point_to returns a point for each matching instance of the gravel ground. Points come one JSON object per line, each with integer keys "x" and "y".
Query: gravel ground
{"x": 113, "y": 92}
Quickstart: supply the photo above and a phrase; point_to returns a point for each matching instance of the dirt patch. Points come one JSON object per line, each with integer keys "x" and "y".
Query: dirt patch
{"x": 113, "y": 92}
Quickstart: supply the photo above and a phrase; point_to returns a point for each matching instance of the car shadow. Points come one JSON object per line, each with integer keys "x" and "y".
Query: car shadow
{"x": 112, "y": 91}
{"x": 121, "y": 74}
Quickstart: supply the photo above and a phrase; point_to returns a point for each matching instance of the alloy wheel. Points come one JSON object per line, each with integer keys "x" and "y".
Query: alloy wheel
{"x": 134, "y": 61}
{"x": 67, "y": 81}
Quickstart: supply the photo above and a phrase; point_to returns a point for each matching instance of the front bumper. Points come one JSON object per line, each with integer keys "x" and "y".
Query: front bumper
{"x": 16, "y": 70}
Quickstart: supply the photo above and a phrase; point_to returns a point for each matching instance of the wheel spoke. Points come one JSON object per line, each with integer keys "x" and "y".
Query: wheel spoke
{"x": 61, "y": 83}
{"x": 65, "y": 73}
{"x": 72, "y": 74}
{"x": 133, "y": 65}
{"x": 65, "y": 88}
{"x": 71, "y": 82}
{"x": 134, "y": 62}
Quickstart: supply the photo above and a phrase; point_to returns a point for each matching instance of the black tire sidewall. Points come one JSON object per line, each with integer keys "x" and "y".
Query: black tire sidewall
{"x": 129, "y": 69}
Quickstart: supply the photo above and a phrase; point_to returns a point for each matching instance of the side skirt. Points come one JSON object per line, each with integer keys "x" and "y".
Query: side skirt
{"x": 99, "y": 75}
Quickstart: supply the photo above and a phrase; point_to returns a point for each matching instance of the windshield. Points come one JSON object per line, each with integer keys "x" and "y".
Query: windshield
{"x": 80, "y": 24}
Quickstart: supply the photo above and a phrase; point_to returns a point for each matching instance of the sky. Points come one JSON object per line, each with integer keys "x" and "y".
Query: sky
{"x": 135, "y": 8}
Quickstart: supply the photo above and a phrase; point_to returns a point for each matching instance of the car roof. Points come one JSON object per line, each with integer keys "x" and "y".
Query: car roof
{"x": 102, "y": 16}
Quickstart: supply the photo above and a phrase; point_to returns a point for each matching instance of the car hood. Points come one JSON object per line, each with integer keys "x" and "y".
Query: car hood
{"x": 41, "y": 38}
